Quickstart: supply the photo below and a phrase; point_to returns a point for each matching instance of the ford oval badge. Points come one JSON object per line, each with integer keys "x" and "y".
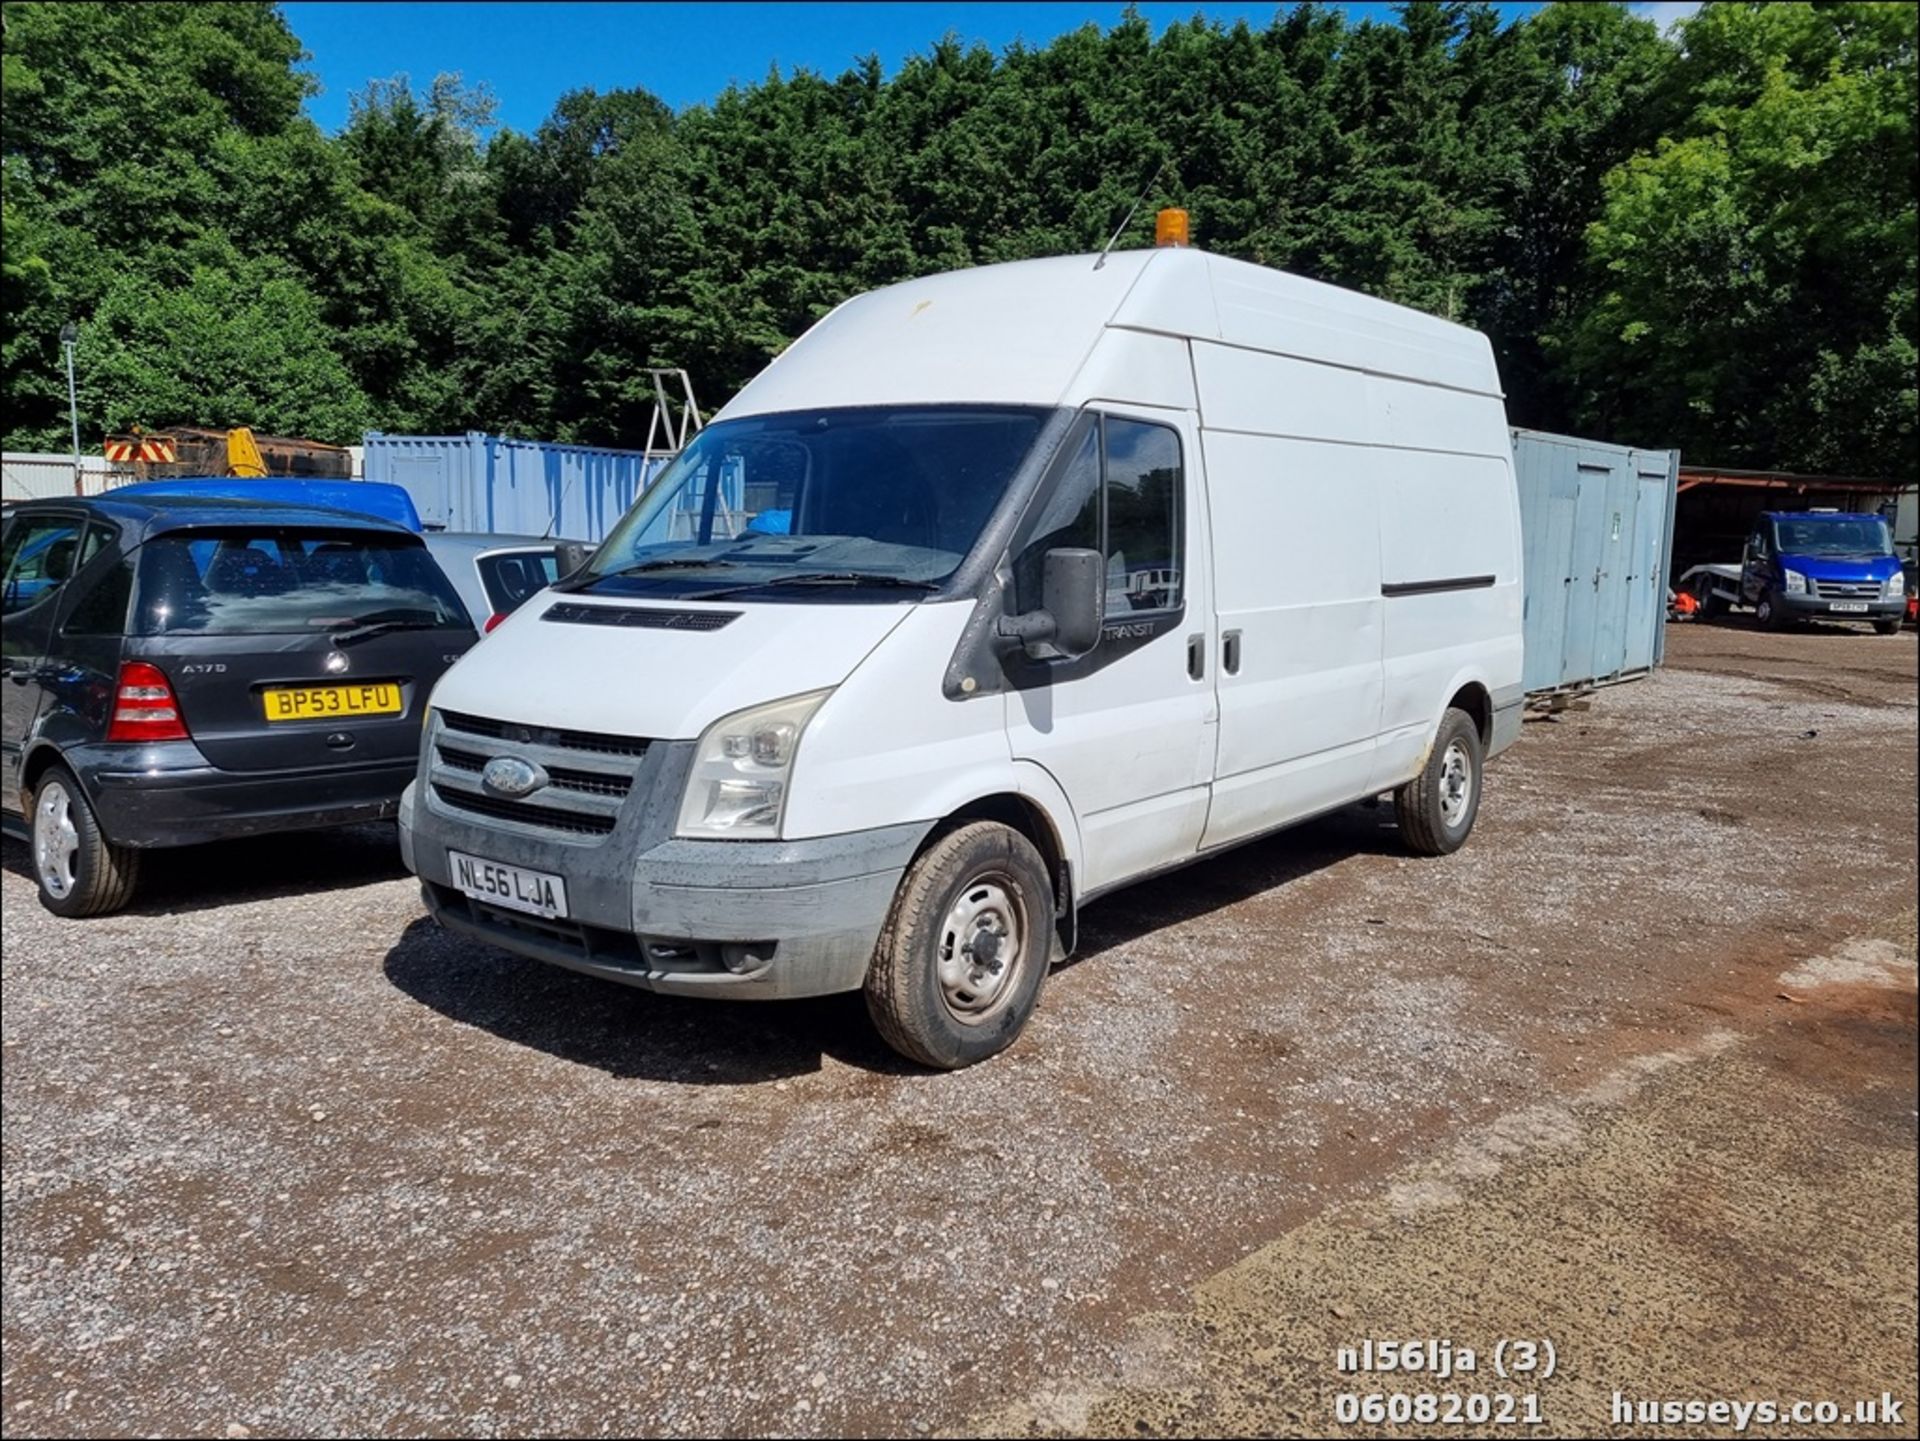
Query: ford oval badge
{"x": 511, "y": 776}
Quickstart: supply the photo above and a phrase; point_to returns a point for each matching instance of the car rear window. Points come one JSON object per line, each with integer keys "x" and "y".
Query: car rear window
{"x": 281, "y": 580}
{"x": 514, "y": 576}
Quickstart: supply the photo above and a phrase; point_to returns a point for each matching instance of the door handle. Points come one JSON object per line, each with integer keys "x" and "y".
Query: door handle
{"x": 1230, "y": 652}
{"x": 1197, "y": 656}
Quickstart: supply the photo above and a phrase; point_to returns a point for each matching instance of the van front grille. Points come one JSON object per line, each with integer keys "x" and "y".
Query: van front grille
{"x": 594, "y": 783}
{"x": 1847, "y": 589}
{"x": 596, "y": 742}
{"x": 590, "y": 775}
{"x": 579, "y": 823}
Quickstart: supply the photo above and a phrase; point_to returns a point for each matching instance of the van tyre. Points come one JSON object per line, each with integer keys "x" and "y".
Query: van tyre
{"x": 1437, "y": 807}
{"x": 1770, "y": 613}
{"x": 79, "y": 871}
{"x": 1887, "y": 627}
{"x": 964, "y": 952}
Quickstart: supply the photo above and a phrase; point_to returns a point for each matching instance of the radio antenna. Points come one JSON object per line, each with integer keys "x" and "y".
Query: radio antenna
{"x": 1120, "y": 229}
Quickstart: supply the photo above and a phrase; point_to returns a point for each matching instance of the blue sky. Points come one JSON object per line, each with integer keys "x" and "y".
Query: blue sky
{"x": 531, "y": 54}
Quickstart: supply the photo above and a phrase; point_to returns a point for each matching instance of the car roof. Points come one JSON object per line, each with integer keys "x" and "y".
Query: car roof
{"x": 362, "y": 497}
{"x": 152, "y": 515}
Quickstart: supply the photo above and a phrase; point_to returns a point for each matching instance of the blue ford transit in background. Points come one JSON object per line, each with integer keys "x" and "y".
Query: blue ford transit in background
{"x": 1828, "y": 564}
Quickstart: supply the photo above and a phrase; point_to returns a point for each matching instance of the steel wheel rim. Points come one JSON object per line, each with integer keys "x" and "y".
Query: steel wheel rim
{"x": 1456, "y": 784}
{"x": 979, "y": 950}
{"x": 56, "y": 841}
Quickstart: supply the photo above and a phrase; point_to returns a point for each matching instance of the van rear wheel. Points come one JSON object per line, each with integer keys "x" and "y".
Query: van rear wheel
{"x": 963, "y": 955}
{"x": 79, "y": 871}
{"x": 1436, "y": 809}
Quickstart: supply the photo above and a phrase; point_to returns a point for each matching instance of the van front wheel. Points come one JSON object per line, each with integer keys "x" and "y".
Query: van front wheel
{"x": 964, "y": 952}
{"x": 1436, "y": 808}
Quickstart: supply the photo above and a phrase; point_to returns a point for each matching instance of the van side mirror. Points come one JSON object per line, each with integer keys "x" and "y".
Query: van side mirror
{"x": 569, "y": 556}
{"x": 1073, "y": 607}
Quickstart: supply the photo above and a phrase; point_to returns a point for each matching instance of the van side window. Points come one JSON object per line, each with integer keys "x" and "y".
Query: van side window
{"x": 1070, "y": 520}
{"x": 1133, "y": 519}
{"x": 1143, "y": 517}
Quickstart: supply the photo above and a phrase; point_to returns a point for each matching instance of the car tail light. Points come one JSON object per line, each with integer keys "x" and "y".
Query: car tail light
{"x": 144, "y": 707}
{"x": 493, "y": 620}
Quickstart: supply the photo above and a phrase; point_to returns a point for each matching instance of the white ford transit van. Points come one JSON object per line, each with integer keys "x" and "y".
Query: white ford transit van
{"x": 998, "y": 590}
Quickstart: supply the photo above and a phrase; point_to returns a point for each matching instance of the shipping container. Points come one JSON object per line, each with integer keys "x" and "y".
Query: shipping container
{"x": 1596, "y": 525}
{"x": 480, "y": 482}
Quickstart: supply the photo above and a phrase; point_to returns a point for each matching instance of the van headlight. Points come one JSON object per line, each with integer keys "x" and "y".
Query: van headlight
{"x": 743, "y": 768}
{"x": 1896, "y": 586}
{"x": 1796, "y": 583}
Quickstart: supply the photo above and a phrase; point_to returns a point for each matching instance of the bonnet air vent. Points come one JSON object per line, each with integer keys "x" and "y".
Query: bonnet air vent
{"x": 639, "y": 617}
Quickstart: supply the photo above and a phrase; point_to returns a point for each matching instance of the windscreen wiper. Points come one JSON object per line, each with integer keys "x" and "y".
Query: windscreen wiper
{"x": 695, "y": 562}
{"x": 824, "y": 577}
{"x": 380, "y": 627}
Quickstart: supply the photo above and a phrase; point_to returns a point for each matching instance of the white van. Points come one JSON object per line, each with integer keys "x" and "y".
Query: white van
{"x": 998, "y": 590}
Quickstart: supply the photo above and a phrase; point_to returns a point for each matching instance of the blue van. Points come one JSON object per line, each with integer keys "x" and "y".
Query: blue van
{"x": 1830, "y": 565}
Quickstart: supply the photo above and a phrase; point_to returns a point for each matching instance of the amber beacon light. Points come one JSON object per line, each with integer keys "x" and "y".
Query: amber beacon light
{"x": 1170, "y": 228}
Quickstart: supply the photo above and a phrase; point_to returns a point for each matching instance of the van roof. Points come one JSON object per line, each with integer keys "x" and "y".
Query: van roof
{"x": 1821, "y": 515}
{"x": 1018, "y": 333}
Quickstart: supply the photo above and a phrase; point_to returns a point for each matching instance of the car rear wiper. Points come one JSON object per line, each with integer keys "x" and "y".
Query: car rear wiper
{"x": 380, "y": 627}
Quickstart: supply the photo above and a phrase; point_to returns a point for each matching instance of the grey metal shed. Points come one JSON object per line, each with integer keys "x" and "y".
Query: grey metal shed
{"x": 1597, "y": 532}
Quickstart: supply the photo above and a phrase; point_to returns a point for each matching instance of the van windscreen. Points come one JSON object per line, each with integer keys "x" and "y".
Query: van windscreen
{"x": 836, "y": 500}
{"x": 258, "y": 580}
{"x": 1834, "y": 535}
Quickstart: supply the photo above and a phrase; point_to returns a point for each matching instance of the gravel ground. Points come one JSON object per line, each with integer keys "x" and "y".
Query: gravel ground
{"x": 282, "y": 1156}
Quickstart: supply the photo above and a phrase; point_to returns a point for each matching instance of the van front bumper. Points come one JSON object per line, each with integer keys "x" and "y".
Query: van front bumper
{"x": 749, "y": 920}
{"x": 1813, "y": 607}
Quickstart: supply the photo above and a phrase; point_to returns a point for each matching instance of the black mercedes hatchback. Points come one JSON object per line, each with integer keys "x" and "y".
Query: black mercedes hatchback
{"x": 183, "y": 670}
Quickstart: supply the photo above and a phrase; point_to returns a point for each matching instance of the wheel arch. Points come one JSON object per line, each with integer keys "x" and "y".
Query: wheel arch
{"x": 1024, "y": 814}
{"x": 1476, "y": 700}
{"x": 39, "y": 759}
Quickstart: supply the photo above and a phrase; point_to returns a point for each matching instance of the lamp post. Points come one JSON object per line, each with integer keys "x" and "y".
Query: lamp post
{"x": 69, "y": 337}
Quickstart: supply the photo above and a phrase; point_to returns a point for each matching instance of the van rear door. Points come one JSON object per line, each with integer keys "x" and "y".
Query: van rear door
{"x": 297, "y": 646}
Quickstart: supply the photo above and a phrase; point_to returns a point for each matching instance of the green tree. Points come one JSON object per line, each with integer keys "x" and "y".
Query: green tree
{"x": 239, "y": 344}
{"x": 1757, "y": 268}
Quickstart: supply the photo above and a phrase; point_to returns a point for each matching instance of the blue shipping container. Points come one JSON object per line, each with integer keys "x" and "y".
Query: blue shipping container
{"x": 1596, "y": 525}
{"x": 480, "y": 482}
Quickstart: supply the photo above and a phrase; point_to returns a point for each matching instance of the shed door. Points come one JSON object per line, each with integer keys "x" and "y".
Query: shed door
{"x": 1646, "y": 602}
{"x": 1617, "y": 554}
{"x": 1548, "y": 531}
{"x": 1589, "y": 564}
